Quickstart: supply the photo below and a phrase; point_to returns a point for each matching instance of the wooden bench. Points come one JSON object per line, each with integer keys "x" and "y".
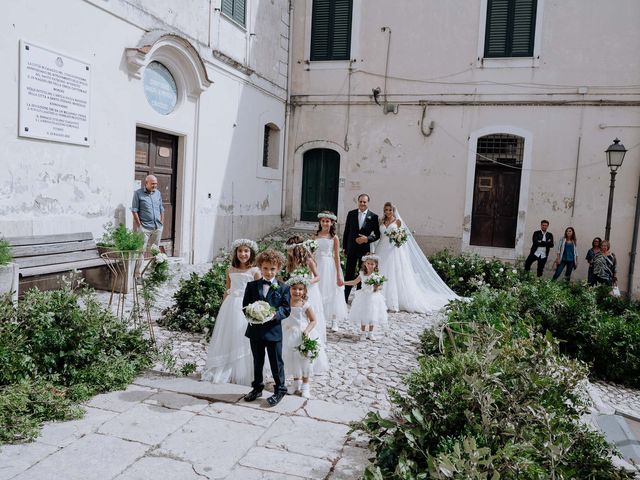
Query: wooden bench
{"x": 43, "y": 260}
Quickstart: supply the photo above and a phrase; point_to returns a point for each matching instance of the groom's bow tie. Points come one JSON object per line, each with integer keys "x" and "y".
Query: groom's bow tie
{"x": 266, "y": 282}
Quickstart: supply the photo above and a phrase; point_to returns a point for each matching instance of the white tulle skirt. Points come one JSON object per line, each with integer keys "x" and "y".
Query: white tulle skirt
{"x": 333, "y": 303}
{"x": 321, "y": 364}
{"x": 403, "y": 289}
{"x": 368, "y": 308}
{"x": 229, "y": 358}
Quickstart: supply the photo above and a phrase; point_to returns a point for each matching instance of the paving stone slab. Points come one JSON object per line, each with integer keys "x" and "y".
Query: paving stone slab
{"x": 148, "y": 468}
{"x": 177, "y": 401}
{"x": 332, "y": 412}
{"x": 352, "y": 463}
{"x": 219, "y": 392}
{"x": 93, "y": 457}
{"x": 61, "y": 434}
{"x": 15, "y": 459}
{"x": 212, "y": 445}
{"x": 146, "y": 424}
{"x": 287, "y": 463}
{"x": 306, "y": 436}
{"x": 288, "y": 405}
{"x": 618, "y": 432}
{"x": 244, "y": 473}
{"x": 121, "y": 400}
{"x": 239, "y": 413}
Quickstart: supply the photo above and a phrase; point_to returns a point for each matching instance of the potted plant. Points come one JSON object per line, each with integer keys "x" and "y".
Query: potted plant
{"x": 120, "y": 244}
{"x": 8, "y": 271}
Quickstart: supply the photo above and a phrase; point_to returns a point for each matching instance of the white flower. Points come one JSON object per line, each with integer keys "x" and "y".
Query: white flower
{"x": 155, "y": 249}
{"x": 514, "y": 271}
{"x": 460, "y": 279}
{"x": 501, "y": 270}
{"x": 161, "y": 257}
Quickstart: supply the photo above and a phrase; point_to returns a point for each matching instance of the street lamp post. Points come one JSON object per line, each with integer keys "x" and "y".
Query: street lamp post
{"x": 615, "y": 157}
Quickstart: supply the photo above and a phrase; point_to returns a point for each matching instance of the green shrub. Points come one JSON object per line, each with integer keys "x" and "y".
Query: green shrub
{"x": 65, "y": 347}
{"x": 5, "y": 253}
{"x": 503, "y": 404}
{"x": 197, "y": 301}
{"x": 467, "y": 273}
{"x": 121, "y": 238}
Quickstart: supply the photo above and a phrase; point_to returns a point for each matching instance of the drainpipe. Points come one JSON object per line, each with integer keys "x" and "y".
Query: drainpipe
{"x": 287, "y": 117}
{"x": 634, "y": 244}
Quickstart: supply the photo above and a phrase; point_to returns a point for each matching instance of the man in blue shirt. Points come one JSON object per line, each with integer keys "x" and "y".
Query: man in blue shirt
{"x": 148, "y": 212}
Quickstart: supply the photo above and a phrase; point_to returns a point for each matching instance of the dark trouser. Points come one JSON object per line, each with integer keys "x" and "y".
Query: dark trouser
{"x": 274, "y": 351}
{"x": 561, "y": 266}
{"x": 532, "y": 258}
{"x": 351, "y": 271}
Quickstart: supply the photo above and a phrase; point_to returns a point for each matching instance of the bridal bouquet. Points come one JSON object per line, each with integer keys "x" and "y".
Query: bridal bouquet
{"x": 309, "y": 348}
{"x": 310, "y": 245}
{"x": 375, "y": 279}
{"x": 397, "y": 236}
{"x": 301, "y": 272}
{"x": 259, "y": 312}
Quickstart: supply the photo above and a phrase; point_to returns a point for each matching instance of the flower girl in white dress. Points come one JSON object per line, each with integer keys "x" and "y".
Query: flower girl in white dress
{"x": 368, "y": 307}
{"x": 299, "y": 324}
{"x": 229, "y": 357}
{"x": 300, "y": 262}
{"x": 328, "y": 260}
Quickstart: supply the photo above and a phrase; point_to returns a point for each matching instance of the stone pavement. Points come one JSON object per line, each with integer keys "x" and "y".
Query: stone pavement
{"x": 164, "y": 427}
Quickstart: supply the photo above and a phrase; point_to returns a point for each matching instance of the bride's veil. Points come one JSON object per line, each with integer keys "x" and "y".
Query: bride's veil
{"x": 421, "y": 265}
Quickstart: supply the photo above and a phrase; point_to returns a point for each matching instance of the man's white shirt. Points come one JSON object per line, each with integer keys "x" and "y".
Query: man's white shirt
{"x": 361, "y": 217}
{"x": 541, "y": 252}
{"x": 265, "y": 288}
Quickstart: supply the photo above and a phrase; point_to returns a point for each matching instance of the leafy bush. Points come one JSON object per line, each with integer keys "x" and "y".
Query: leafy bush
{"x": 57, "y": 348}
{"x": 5, "y": 253}
{"x": 121, "y": 238}
{"x": 502, "y": 404}
{"x": 197, "y": 301}
{"x": 467, "y": 273}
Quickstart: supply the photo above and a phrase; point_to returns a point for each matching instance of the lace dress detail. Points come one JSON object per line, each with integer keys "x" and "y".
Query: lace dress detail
{"x": 292, "y": 327}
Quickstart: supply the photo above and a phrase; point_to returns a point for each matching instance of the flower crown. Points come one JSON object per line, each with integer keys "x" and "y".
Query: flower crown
{"x": 371, "y": 256}
{"x": 328, "y": 215}
{"x": 245, "y": 242}
{"x": 293, "y": 245}
{"x": 299, "y": 279}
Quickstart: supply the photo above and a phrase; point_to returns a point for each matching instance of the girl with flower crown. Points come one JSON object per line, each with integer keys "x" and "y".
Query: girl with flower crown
{"x": 297, "y": 330}
{"x": 300, "y": 262}
{"x": 229, "y": 357}
{"x": 368, "y": 307}
{"x": 331, "y": 282}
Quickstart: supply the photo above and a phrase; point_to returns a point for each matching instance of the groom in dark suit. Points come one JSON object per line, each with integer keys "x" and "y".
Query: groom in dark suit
{"x": 361, "y": 228}
{"x": 268, "y": 335}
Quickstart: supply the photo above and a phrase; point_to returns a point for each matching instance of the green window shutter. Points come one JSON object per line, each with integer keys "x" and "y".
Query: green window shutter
{"x": 510, "y": 30}
{"x": 331, "y": 29}
{"x": 234, "y": 9}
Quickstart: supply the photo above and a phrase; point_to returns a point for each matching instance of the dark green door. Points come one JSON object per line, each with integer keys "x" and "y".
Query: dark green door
{"x": 320, "y": 177}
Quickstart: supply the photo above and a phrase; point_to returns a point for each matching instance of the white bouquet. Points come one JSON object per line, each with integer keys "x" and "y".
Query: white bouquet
{"x": 310, "y": 245}
{"x": 375, "y": 279}
{"x": 397, "y": 236}
{"x": 259, "y": 312}
{"x": 301, "y": 272}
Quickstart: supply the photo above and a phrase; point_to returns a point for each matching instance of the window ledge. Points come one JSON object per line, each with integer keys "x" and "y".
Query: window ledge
{"x": 327, "y": 64}
{"x": 508, "y": 62}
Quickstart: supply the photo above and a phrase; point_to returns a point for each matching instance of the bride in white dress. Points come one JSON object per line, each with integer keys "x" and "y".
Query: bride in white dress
{"x": 229, "y": 357}
{"x": 412, "y": 284}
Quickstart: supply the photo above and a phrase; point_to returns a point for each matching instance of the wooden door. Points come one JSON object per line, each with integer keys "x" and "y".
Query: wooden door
{"x": 157, "y": 154}
{"x": 320, "y": 177}
{"x": 495, "y": 207}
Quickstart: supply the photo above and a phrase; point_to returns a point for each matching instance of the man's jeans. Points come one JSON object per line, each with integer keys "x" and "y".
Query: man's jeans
{"x": 151, "y": 237}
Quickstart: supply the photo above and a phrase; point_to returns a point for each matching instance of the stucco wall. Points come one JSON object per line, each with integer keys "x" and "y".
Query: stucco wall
{"x": 573, "y": 92}
{"x": 49, "y": 187}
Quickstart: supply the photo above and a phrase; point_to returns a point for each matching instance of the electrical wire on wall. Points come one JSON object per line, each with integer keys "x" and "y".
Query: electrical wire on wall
{"x": 346, "y": 133}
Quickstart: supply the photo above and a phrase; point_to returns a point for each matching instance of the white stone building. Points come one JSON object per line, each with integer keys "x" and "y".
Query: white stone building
{"x": 183, "y": 89}
{"x": 477, "y": 118}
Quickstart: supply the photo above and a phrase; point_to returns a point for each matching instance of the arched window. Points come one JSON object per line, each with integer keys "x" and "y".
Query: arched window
{"x": 271, "y": 146}
{"x": 496, "y": 191}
